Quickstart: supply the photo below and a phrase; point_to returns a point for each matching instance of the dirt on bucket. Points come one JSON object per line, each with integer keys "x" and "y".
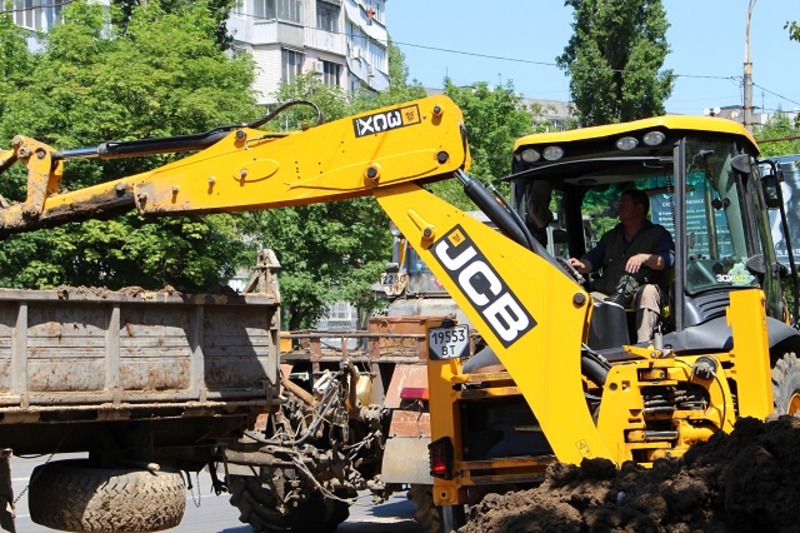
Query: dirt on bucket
{"x": 748, "y": 480}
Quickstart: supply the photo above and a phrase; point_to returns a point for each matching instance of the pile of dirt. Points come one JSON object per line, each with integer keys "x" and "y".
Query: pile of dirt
{"x": 746, "y": 481}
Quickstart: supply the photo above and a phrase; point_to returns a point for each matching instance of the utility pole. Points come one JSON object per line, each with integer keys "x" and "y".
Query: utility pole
{"x": 748, "y": 73}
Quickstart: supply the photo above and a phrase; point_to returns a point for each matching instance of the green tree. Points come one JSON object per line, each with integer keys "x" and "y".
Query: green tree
{"x": 219, "y": 10}
{"x": 328, "y": 252}
{"x": 614, "y": 59}
{"x": 779, "y": 127}
{"x": 165, "y": 75}
{"x": 495, "y": 119}
{"x": 794, "y": 30}
{"x": 15, "y": 62}
{"x": 331, "y": 101}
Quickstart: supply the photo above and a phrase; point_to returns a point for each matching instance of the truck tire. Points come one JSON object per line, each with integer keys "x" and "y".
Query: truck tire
{"x": 74, "y": 496}
{"x": 259, "y": 508}
{"x": 425, "y": 512}
{"x": 786, "y": 385}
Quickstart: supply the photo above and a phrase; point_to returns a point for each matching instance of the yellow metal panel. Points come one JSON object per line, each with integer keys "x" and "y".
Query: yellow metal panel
{"x": 423, "y": 140}
{"x": 748, "y": 320}
{"x": 671, "y": 122}
{"x": 342, "y": 159}
{"x": 538, "y": 339}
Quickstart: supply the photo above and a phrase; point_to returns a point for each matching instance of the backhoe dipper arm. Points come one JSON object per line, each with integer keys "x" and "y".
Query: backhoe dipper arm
{"x": 529, "y": 311}
{"x": 253, "y": 169}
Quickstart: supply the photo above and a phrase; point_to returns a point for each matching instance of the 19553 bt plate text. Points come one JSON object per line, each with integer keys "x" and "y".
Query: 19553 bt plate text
{"x": 449, "y": 342}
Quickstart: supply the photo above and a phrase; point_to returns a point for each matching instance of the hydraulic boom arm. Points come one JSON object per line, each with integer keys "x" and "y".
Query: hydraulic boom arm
{"x": 530, "y": 313}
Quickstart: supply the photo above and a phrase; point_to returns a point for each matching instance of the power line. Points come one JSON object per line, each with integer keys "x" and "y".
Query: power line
{"x": 776, "y": 94}
{"x": 475, "y": 54}
{"x": 421, "y": 46}
{"x": 542, "y": 63}
{"x": 448, "y": 50}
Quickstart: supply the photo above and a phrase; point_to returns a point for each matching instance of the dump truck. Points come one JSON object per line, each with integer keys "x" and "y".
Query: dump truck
{"x": 298, "y": 467}
{"x": 149, "y": 383}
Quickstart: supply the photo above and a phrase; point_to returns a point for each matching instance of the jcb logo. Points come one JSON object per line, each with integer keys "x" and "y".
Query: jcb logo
{"x": 486, "y": 291}
{"x": 388, "y": 120}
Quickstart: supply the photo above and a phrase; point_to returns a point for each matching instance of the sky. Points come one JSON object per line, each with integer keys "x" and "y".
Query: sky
{"x": 518, "y": 41}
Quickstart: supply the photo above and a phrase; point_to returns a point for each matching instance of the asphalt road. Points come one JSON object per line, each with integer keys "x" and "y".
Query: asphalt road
{"x": 207, "y": 513}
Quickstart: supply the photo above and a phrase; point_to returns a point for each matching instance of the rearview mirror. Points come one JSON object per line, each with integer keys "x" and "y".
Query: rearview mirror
{"x": 769, "y": 184}
{"x": 742, "y": 163}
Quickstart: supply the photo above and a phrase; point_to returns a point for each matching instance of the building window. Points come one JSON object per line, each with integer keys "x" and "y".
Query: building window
{"x": 327, "y": 16}
{"x": 35, "y": 14}
{"x": 331, "y": 73}
{"x": 341, "y": 311}
{"x": 375, "y": 10}
{"x": 285, "y": 10}
{"x": 376, "y": 54}
{"x": 291, "y": 64}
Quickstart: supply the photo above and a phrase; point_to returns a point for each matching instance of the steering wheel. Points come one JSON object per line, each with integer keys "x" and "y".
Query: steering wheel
{"x": 571, "y": 270}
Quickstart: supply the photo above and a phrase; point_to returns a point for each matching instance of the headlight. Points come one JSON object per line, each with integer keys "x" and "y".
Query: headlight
{"x": 529, "y": 155}
{"x": 653, "y": 138}
{"x": 553, "y": 153}
{"x": 627, "y": 143}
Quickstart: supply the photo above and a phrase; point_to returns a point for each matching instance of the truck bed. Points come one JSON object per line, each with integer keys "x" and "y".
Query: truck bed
{"x": 84, "y": 356}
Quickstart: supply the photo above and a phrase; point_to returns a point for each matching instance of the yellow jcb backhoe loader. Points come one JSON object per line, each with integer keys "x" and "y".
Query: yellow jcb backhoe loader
{"x": 568, "y": 388}
{"x": 573, "y": 382}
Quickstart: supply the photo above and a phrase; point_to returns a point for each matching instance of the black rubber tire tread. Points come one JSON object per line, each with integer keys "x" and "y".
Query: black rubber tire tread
{"x": 785, "y": 381}
{"x": 256, "y": 504}
{"x": 258, "y": 508}
{"x": 425, "y": 513}
{"x": 74, "y": 496}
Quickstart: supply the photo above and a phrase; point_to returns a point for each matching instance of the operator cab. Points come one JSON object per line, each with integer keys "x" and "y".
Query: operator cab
{"x": 704, "y": 188}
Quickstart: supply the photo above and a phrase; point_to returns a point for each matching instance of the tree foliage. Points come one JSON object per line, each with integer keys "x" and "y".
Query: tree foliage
{"x": 157, "y": 69}
{"x": 164, "y": 75}
{"x": 328, "y": 252}
{"x": 779, "y": 127}
{"x": 218, "y": 10}
{"x": 495, "y": 118}
{"x": 794, "y": 30}
{"x": 614, "y": 59}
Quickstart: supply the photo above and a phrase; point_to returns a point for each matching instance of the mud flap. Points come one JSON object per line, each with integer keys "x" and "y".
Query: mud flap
{"x": 6, "y": 492}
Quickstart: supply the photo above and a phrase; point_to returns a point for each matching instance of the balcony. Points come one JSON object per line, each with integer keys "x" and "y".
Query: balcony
{"x": 256, "y": 32}
{"x": 325, "y": 41}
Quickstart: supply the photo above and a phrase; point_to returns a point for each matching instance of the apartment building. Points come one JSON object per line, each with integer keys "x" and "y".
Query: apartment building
{"x": 344, "y": 41}
{"x": 34, "y": 15}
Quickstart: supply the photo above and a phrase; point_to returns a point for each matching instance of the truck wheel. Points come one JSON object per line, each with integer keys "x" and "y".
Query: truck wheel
{"x": 259, "y": 508}
{"x": 75, "y": 496}
{"x": 426, "y": 513}
{"x": 786, "y": 385}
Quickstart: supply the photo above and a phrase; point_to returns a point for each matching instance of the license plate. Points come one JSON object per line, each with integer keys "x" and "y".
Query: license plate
{"x": 448, "y": 343}
{"x": 390, "y": 279}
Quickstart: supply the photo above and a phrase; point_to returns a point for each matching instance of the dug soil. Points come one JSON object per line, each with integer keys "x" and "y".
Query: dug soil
{"x": 746, "y": 481}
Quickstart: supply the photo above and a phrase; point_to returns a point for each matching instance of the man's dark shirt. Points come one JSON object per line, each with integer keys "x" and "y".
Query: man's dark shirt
{"x": 664, "y": 247}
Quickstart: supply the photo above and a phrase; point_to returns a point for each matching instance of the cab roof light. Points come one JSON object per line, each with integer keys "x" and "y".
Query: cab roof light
{"x": 553, "y": 153}
{"x": 627, "y": 143}
{"x": 654, "y": 138}
{"x": 529, "y": 155}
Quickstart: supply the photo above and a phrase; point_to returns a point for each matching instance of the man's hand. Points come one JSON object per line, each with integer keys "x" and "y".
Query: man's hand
{"x": 636, "y": 262}
{"x": 581, "y": 266}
